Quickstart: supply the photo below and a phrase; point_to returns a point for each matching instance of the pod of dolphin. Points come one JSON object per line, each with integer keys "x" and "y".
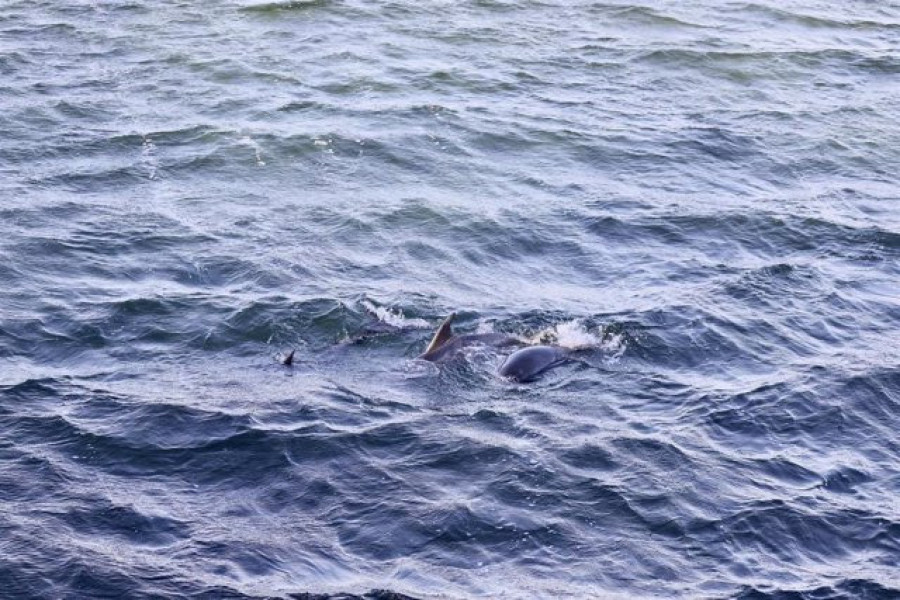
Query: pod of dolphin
{"x": 523, "y": 365}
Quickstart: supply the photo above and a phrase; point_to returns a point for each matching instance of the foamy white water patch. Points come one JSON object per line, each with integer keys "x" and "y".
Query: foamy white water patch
{"x": 576, "y": 335}
{"x": 394, "y": 317}
{"x": 573, "y": 335}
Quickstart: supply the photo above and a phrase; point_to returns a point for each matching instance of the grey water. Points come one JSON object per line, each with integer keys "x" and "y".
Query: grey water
{"x": 700, "y": 197}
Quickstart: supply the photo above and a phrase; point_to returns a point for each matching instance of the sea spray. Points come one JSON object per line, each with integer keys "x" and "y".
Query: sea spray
{"x": 394, "y": 316}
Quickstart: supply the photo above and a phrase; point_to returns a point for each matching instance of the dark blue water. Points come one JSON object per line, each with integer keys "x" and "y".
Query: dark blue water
{"x": 701, "y": 198}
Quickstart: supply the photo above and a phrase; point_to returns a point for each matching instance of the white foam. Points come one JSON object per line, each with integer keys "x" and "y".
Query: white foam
{"x": 576, "y": 335}
{"x": 394, "y": 317}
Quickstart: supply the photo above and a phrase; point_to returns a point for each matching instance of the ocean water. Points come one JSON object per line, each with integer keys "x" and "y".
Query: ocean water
{"x": 701, "y": 197}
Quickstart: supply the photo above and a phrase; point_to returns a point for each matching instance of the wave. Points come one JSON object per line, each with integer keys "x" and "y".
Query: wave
{"x": 289, "y": 6}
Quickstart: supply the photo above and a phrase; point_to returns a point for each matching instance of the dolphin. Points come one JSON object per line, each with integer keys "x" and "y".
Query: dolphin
{"x": 446, "y": 344}
{"x": 527, "y": 363}
{"x": 523, "y": 365}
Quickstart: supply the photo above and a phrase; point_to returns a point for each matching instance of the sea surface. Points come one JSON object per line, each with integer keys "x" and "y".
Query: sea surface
{"x": 700, "y": 199}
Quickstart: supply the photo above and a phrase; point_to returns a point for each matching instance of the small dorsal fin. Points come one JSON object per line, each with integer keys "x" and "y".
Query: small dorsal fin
{"x": 443, "y": 333}
{"x": 288, "y": 360}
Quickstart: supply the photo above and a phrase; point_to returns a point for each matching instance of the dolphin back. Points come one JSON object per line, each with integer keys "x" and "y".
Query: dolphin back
{"x": 526, "y": 364}
{"x": 458, "y": 342}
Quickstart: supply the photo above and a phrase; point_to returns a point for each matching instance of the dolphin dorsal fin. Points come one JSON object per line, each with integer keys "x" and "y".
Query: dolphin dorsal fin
{"x": 288, "y": 359}
{"x": 443, "y": 333}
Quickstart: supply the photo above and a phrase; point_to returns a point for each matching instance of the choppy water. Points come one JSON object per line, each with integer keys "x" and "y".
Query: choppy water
{"x": 704, "y": 193}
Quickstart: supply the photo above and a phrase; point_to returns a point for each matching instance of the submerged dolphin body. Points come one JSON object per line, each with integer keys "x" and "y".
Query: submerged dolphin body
{"x": 522, "y": 365}
{"x": 445, "y": 343}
